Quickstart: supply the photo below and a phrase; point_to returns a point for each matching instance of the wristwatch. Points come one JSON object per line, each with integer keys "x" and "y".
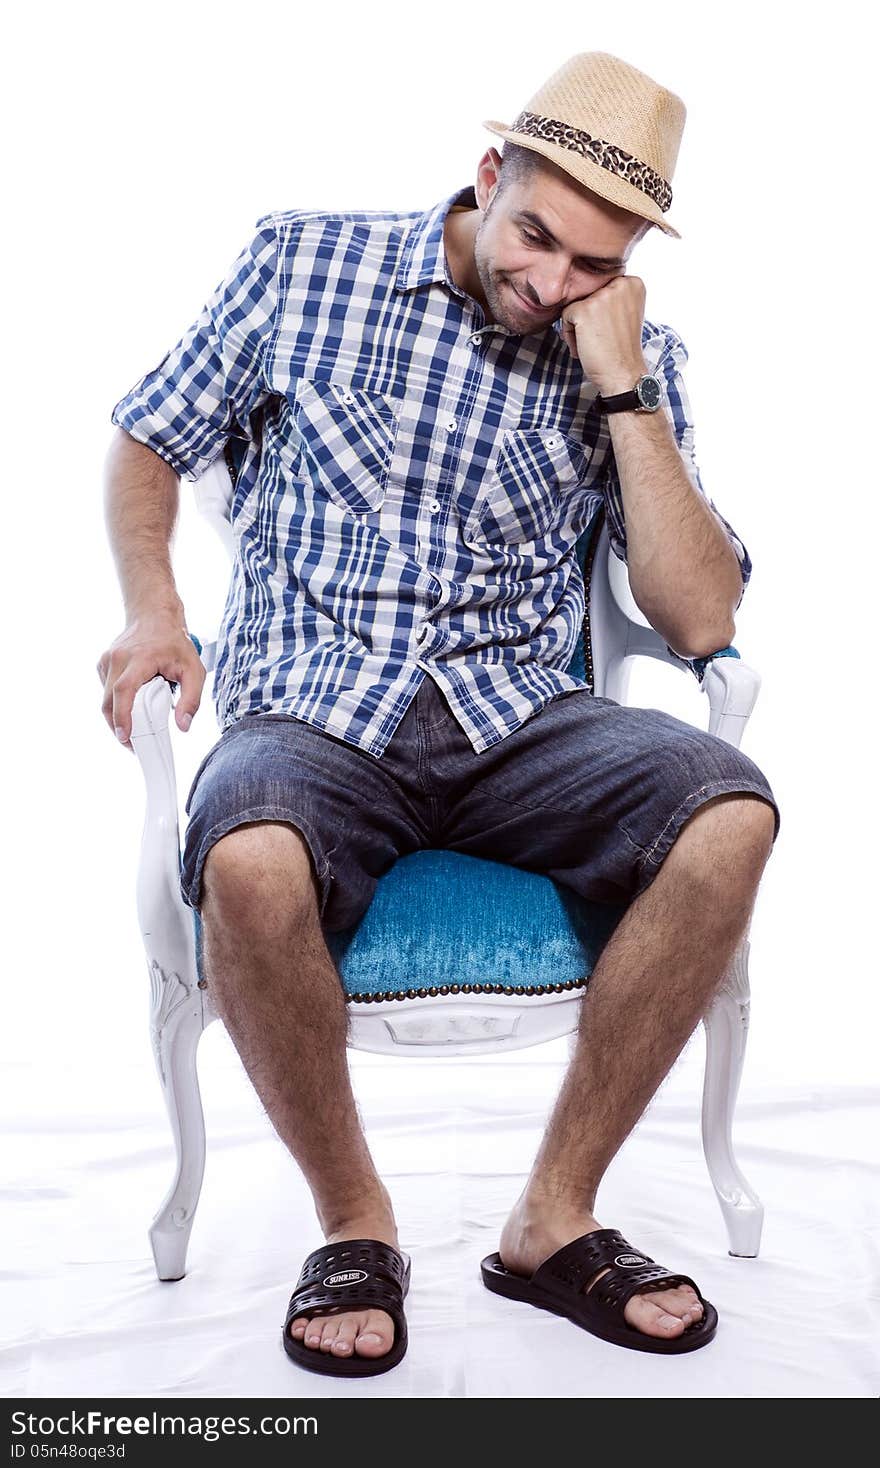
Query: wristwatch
{"x": 645, "y": 397}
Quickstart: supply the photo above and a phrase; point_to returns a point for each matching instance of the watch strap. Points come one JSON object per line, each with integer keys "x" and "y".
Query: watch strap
{"x": 620, "y": 402}
{"x": 635, "y": 399}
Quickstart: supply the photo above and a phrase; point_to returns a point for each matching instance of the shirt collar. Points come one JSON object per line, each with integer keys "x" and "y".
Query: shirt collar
{"x": 423, "y": 258}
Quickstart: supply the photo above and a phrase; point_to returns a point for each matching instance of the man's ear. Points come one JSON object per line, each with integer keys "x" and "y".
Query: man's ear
{"x": 496, "y": 159}
{"x": 489, "y": 164}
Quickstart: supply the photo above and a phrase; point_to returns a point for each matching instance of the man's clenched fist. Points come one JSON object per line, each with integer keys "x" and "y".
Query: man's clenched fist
{"x": 152, "y": 644}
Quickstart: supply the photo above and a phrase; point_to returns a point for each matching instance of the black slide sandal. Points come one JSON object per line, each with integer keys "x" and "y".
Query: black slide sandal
{"x": 558, "y": 1285}
{"x": 359, "y": 1274}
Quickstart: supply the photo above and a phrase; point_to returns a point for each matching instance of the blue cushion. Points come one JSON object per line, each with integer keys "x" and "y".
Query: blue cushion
{"x": 443, "y": 918}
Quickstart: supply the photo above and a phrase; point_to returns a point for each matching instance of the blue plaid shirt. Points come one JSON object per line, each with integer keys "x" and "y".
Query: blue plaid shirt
{"x": 414, "y": 479}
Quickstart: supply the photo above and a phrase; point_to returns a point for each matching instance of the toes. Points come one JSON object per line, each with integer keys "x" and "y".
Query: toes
{"x": 345, "y": 1336}
{"x": 368, "y": 1334}
{"x": 651, "y": 1318}
{"x": 375, "y": 1335}
{"x": 683, "y": 1302}
{"x": 665, "y": 1313}
{"x": 304, "y": 1329}
{"x": 669, "y": 1325}
{"x": 317, "y": 1332}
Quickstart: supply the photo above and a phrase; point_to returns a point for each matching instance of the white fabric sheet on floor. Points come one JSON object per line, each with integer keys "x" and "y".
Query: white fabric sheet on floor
{"x": 84, "y": 1314}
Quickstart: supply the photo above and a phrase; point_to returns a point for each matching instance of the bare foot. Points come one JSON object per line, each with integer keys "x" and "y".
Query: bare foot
{"x": 362, "y": 1332}
{"x": 528, "y": 1240}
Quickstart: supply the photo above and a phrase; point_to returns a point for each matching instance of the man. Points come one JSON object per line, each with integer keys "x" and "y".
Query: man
{"x": 431, "y": 408}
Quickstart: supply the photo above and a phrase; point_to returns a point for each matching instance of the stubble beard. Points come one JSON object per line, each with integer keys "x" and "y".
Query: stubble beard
{"x": 498, "y": 294}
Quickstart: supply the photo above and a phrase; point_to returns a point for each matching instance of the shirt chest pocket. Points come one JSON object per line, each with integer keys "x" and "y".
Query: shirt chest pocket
{"x": 525, "y": 493}
{"x": 346, "y": 444}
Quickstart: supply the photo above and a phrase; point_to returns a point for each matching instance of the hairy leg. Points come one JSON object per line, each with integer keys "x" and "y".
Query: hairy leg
{"x": 279, "y": 994}
{"x": 653, "y": 982}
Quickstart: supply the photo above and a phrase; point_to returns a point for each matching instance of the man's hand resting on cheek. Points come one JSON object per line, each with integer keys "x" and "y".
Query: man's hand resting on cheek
{"x": 604, "y": 330}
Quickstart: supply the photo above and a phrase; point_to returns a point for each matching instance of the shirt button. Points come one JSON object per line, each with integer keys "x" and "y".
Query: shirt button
{"x": 476, "y": 339}
{"x": 450, "y": 425}
{"x": 552, "y": 443}
{"x": 435, "y": 505}
{"x": 348, "y": 398}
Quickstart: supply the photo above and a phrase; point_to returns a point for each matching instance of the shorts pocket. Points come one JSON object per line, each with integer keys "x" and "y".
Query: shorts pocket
{"x": 525, "y": 492}
{"x": 347, "y": 438}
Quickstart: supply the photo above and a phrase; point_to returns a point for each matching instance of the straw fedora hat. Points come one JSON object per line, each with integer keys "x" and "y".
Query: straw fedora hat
{"x": 611, "y": 127}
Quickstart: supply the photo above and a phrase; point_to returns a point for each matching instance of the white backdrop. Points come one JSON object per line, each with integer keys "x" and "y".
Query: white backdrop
{"x": 146, "y": 144}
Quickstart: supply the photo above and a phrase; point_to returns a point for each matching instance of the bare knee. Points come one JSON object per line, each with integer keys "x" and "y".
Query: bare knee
{"x": 750, "y": 815}
{"x": 733, "y": 825}
{"x": 258, "y": 868}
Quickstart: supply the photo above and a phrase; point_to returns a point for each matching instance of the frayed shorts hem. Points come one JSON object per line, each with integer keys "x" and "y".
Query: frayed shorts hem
{"x": 656, "y": 853}
{"x": 190, "y": 886}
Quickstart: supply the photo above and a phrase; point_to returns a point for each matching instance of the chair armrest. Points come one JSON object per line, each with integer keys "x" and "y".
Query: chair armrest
{"x": 619, "y": 632}
{"x": 732, "y": 688}
{"x": 166, "y": 922}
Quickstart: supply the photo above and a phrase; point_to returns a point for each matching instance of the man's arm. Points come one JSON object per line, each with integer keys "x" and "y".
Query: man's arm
{"x": 683, "y": 571}
{"x": 141, "y": 501}
{"x": 141, "y": 495}
{"x": 173, "y": 422}
{"x": 687, "y": 568}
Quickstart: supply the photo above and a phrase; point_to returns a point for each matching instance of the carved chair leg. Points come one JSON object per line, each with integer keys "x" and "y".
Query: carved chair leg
{"x": 176, "y": 1026}
{"x": 727, "y": 1024}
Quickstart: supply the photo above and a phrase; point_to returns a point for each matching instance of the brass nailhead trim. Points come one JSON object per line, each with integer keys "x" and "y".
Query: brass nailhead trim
{"x": 507, "y": 989}
{"x": 589, "y": 558}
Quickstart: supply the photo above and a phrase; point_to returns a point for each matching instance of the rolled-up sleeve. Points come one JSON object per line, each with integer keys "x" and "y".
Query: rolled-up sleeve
{"x": 670, "y": 365}
{"x": 212, "y": 380}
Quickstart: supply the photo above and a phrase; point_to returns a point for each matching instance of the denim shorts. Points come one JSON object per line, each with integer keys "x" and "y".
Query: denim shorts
{"x": 588, "y": 791}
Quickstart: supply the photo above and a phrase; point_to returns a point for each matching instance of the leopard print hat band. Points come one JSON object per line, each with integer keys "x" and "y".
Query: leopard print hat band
{"x": 611, "y": 127}
{"x": 600, "y": 151}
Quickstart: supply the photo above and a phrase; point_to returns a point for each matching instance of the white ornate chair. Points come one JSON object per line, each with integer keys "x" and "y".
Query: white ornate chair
{"x": 455, "y": 954}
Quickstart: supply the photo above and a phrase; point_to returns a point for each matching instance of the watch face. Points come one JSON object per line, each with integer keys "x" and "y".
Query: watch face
{"x": 649, "y": 391}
